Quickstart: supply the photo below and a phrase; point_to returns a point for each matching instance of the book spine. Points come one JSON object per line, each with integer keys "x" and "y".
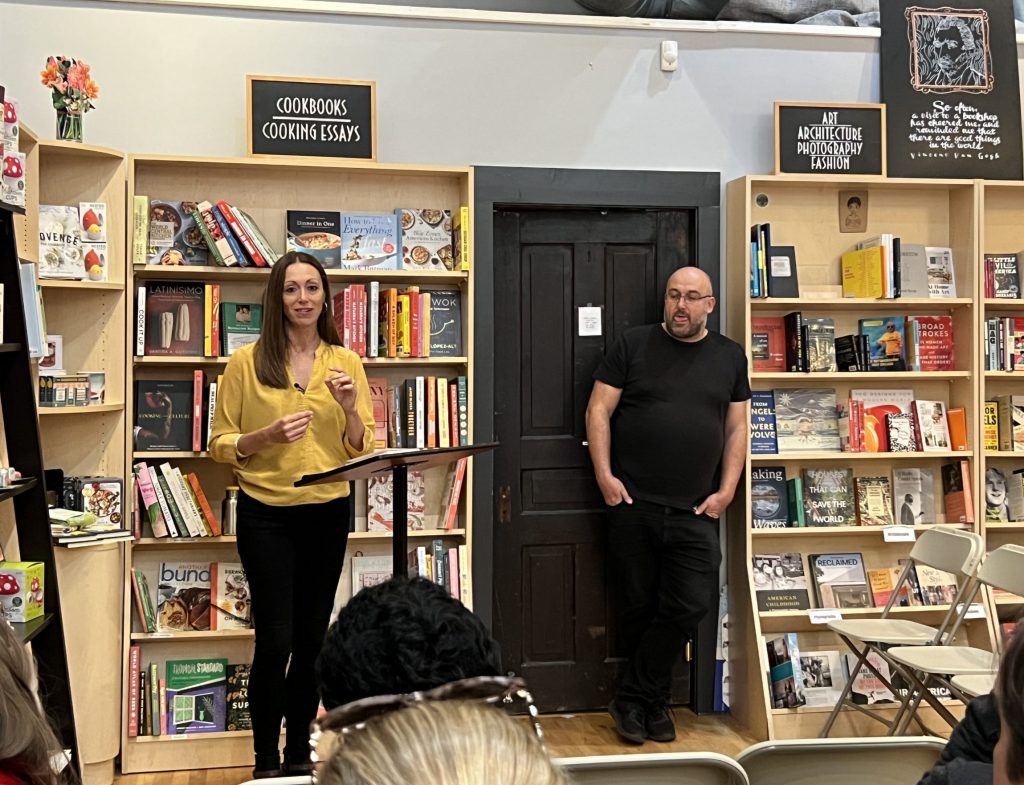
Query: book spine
{"x": 197, "y": 410}
{"x": 463, "y": 411}
{"x": 154, "y": 698}
{"x": 440, "y": 563}
{"x": 410, "y": 413}
{"x": 197, "y": 521}
{"x": 361, "y": 321}
{"x": 444, "y": 436}
{"x": 207, "y": 332}
{"x": 149, "y": 500}
{"x": 395, "y": 411}
{"x": 165, "y": 507}
{"x": 250, "y": 227}
{"x": 215, "y": 589}
{"x": 214, "y": 320}
{"x": 373, "y": 320}
{"x": 140, "y": 607}
{"x": 224, "y": 252}
{"x": 421, "y": 419}
{"x": 425, "y": 324}
{"x": 464, "y": 239}
{"x": 204, "y": 504}
{"x": 134, "y": 662}
{"x": 452, "y": 511}
{"x": 140, "y": 322}
{"x": 402, "y": 309}
{"x": 244, "y": 240}
{"x": 431, "y": 404}
{"x": 140, "y": 229}
{"x": 229, "y": 237}
{"x": 211, "y": 409}
{"x": 392, "y": 323}
{"x": 208, "y": 238}
{"x": 163, "y": 706}
{"x": 172, "y": 503}
{"x": 465, "y": 576}
{"x": 453, "y": 572}
{"x": 145, "y": 723}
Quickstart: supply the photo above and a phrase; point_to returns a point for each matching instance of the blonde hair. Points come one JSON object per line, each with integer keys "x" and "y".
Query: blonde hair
{"x": 26, "y": 739}
{"x": 442, "y": 743}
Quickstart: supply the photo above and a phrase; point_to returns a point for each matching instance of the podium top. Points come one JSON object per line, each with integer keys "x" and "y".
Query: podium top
{"x": 387, "y": 460}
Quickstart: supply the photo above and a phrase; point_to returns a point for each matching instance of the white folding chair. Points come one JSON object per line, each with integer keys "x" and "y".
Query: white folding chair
{"x": 655, "y": 768}
{"x": 953, "y": 550}
{"x": 303, "y": 780}
{"x": 892, "y": 760}
{"x": 929, "y": 666}
{"x": 973, "y": 686}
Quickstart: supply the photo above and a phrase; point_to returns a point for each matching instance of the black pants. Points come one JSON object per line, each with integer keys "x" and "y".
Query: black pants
{"x": 664, "y": 562}
{"x": 292, "y": 557}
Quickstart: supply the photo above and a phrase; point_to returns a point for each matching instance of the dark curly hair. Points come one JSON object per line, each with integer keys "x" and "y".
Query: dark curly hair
{"x": 401, "y": 636}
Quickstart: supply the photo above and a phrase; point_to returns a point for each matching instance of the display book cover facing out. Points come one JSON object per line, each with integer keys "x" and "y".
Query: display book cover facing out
{"x": 949, "y": 80}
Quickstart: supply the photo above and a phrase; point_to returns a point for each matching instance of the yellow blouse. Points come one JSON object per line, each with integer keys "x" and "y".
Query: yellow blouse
{"x": 245, "y": 405}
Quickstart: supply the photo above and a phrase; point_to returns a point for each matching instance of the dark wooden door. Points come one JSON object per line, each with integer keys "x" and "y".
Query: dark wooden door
{"x": 552, "y": 611}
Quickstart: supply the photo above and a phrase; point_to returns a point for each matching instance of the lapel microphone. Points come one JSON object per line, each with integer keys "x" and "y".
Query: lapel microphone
{"x": 300, "y": 389}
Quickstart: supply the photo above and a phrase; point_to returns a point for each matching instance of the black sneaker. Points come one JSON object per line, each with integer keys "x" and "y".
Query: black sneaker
{"x": 659, "y": 724}
{"x": 629, "y": 720}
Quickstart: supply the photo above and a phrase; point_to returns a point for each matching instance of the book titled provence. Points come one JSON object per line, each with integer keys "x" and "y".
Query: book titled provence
{"x": 196, "y": 696}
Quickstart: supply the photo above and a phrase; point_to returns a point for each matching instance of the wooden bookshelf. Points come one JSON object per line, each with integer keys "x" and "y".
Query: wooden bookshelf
{"x": 266, "y": 189}
{"x": 803, "y": 212}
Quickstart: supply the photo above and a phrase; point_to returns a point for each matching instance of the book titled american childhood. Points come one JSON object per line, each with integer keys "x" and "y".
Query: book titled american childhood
{"x": 805, "y": 420}
{"x": 196, "y": 696}
{"x": 840, "y": 580}
{"x": 163, "y": 415}
{"x": 175, "y": 318}
{"x": 780, "y": 582}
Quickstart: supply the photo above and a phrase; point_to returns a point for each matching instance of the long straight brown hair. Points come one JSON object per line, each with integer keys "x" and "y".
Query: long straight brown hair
{"x": 272, "y": 347}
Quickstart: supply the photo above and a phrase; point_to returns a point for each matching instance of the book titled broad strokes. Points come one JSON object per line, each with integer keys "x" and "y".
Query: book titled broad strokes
{"x": 824, "y": 676}
{"x": 840, "y": 580}
{"x": 941, "y": 279}
{"x": 913, "y": 491}
{"x": 379, "y": 507}
{"x": 163, "y": 415}
{"x": 316, "y": 232}
{"x": 238, "y": 716}
{"x": 231, "y": 600}
{"x": 769, "y": 501}
{"x": 933, "y": 337}
{"x": 874, "y": 501}
{"x": 446, "y": 323}
{"x": 763, "y": 438}
{"x": 828, "y": 497}
{"x": 183, "y": 596}
{"x": 175, "y": 315}
{"x": 805, "y": 420}
{"x": 768, "y": 343}
{"x": 780, "y": 582}
{"x": 174, "y": 236}
{"x": 370, "y": 571}
{"x": 196, "y": 696}
{"x": 240, "y": 325}
{"x": 887, "y": 342}
{"x": 426, "y": 238}
{"x": 369, "y": 241}
{"x": 877, "y": 404}
{"x": 821, "y": 348}
{"x": 60, "y": 244}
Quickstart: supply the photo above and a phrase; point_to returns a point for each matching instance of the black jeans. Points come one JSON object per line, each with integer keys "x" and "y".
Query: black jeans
{"x": 292, "y": 557}
{"x": 664, "y": 563}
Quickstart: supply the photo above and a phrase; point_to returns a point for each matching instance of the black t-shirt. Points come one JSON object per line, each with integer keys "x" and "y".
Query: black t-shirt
{"x": 668, "y": 431}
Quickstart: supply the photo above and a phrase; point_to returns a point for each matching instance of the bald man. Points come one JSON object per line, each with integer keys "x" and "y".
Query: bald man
{"x": 667, "y": 464}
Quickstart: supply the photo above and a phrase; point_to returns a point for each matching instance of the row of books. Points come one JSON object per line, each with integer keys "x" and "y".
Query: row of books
{"x": 380, "y": 499}
{"x": 391, "y": 322}
{"x": 446, "y": 565}
{"x": 884, "y": 343}
{"x": 1004, "y": 343}
{"x": 785, "y": 420}
{"x": 174, "y": 503}
{"x": 422, "y": 411}
{"x": 840, "y": 580}
{"x": 881, "y": 267}
{"x": 1003, "y": 427}
{"x": 834, "y": 497}
{"x": 188, "y": 319}
{"x": 193, "y": 596}
{"x": 59, "y": 389}
{"x": 192, "y": 696}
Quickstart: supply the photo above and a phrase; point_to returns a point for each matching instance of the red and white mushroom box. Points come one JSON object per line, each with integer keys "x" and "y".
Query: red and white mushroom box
{"x": 21, "y": 590}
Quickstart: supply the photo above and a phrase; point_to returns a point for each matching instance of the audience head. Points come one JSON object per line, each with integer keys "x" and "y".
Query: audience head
{"x": 1008, "y": 756}
{"x": 403, "y": 635}
{"x": 26, "y": 739}
{"x": 441, "y": 743}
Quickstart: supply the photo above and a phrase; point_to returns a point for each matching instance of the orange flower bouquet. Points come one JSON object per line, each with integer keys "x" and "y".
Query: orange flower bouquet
{"x": 73, "y": 89}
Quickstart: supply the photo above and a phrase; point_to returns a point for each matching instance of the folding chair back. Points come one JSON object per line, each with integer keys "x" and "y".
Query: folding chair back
{"x": 886, "y": 760}
{"x": 948, "y": 549}
{"x": 1003, "y": 569}
{"x": 655, "y": 768}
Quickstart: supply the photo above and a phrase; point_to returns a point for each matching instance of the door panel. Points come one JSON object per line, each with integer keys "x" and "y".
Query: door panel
{"x": 552, "y": 604}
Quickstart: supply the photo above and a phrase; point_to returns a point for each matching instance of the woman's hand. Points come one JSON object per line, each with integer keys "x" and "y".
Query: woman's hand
{"x": 343, "y": 389}
{"x": 289, "y": 428}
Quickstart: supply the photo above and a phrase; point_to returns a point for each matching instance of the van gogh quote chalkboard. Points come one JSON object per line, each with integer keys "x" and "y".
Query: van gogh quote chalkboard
{"x": 813, "y": 138}
{"x": 949, "y": 80}
{"x": 317, "y": 117}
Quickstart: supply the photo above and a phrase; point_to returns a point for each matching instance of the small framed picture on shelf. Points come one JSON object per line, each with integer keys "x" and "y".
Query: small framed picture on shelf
{"x": 53, "y": 359}
{"x": 853, "y": 211}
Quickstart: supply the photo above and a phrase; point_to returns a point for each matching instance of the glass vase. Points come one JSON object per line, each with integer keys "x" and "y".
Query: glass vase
{"x": 69, "y": 126}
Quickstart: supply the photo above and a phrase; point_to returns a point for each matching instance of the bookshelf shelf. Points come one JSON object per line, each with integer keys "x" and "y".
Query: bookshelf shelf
{"x": 858, "y": 456}
{"x": 76, "y": 150}
{"x": 173, "y": 637}
{"x": 1004, "y": 374}
{"x": 1006, "y": 527}
{"x": 184, "y": 738}
{"x": 260, "y": 274}
{"x": 170, "y": 454}
{"x": 407, "y": 362}
{"x": 908, "y": 376}
{"x": 9, "y": 348}
{"x": 180, "y": 360}
{"x": 28, "y": 630}
{"x": 846, "y": 612}
{"x": 154, "y": 543}
{"x": 1003, "y": 454}
{"x": 18, "y": 488}
{"x": 1009, "y": 600}
{"x": 98, "y": 408}
{"x": 879, "y": 707}
{"x": 81, "y": 286}
{"x": 859, "y": 304}
{"x": 428, "y": 533}
{"x": 840, "y": 531}
{"x": 1008, "y": 304}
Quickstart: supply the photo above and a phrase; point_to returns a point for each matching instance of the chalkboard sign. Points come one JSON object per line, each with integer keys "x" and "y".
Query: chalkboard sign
{"x": 949, "y": 80}
{"x": 813, "y": 138}
{"x": 318, "y": 117}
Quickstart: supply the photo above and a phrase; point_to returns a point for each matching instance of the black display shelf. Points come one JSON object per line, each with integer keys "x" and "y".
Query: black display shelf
{"x": 9, "y": 347}
{"x": 19, "y": 487}
{"x": 12, "y": 208}
{"x": 27, "y": 630}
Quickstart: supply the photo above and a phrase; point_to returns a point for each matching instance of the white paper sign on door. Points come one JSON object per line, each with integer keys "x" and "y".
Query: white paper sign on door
{"x": 590, "y": 320}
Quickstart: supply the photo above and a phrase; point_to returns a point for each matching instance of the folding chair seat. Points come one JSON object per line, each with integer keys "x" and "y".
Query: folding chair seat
{"x": 655, "y": 768}
{"x": 973, "y": 686}
{"x": 1003, "y": 569}
{"x": 945, "y": 548}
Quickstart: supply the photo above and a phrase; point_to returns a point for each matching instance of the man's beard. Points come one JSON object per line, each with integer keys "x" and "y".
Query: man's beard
{"x": 683, "y": 331}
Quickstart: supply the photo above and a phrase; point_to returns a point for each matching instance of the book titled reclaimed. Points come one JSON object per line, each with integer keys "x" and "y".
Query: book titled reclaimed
{"x": 196, "y": 696}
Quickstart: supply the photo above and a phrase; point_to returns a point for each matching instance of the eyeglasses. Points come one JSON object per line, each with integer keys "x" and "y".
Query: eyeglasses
{"x": 690, "y": 297}
{"x": 486, "y": 689}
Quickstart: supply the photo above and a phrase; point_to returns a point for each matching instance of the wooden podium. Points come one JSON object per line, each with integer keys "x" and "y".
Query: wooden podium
{"x": 396, "y": 461}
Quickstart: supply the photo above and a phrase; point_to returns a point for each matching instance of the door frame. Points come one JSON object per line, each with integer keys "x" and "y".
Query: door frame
{"x": 499, "y": 186}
